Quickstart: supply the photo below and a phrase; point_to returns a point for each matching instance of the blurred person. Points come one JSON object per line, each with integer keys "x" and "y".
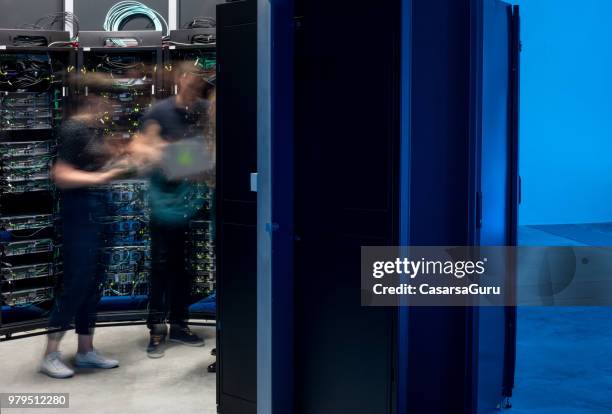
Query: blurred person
{"x": 79, "y": 168}
{"x": 165, "y": 127}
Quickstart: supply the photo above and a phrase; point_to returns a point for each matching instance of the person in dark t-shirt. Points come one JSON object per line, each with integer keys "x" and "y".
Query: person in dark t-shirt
{"x": 171, "y": 121}
{"x": 80, "y": 166}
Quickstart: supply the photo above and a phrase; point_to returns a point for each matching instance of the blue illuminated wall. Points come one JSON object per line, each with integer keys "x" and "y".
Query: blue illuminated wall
{"x": 566, "y": 111}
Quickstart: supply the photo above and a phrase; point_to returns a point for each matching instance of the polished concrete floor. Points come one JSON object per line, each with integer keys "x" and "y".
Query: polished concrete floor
{"x": 564, "y": 362}
{"x": 564, "y": 355}
{"x": 564, "y": 366}
{"x": 177, "y": 383}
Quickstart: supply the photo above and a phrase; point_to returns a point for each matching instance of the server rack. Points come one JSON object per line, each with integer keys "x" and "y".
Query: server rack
{"x": 442, "y": 178}
{"x": 126, "y": 256}
{"x": 197, "y": 46}
{"x": 35, "y": 86}
{"x": 479, "y": 110}
{"x": 133, "y": 62}
{"x": 347, "y": 175}
{"x": 147, "y": 46}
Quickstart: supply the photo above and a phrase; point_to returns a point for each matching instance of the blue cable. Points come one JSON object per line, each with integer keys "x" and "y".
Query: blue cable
{"x": 122, "y": 11}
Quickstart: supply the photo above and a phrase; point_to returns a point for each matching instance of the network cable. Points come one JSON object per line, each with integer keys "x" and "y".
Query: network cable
{"x": 201, "y": 22}
{"x": 120, "y": 13}
{"x": 48, "y": 22}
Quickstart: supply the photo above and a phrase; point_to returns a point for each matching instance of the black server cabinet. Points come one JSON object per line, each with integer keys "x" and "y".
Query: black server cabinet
{"x": 34, "y": 90}
{"x": 441, "y": 203}
{"x": 236, "y": 207}
{"x": 347, "y": 148}
{"x": 482, "y": 115}
{"x": 464, "y": 145}
{"x": 347, "y": 153}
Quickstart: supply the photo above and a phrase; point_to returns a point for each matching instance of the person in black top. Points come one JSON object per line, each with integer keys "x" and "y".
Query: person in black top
{"x": 175, "y": 119}
{"x": 82, "y": 157}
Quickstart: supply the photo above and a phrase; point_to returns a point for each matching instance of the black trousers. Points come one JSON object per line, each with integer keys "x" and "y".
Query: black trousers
{"x": 170, "y": 284}
{"x": 81, "y": 283}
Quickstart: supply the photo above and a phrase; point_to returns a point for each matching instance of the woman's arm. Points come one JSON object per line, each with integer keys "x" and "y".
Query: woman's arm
{"x": 66, "y": 176}
{"x": 146, "y": 148}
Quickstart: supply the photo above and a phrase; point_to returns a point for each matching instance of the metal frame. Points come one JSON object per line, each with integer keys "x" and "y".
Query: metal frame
{"x": 172, "y": 14}
{"x": 275, "y": 238}
{"x": 405, "y": 115}
{"x": 474, "y": 196}
{"x": 265, "y": 307}
{"x": 159, "y": 55}
{"x": 7, "y": 35}
{"x": 475, "y": 219}
{"x": 511, "y": 312}
{"x": 69, "y": 7}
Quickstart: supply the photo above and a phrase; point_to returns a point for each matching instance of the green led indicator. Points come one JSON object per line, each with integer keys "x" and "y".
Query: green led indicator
{"x": 185, "y": 158}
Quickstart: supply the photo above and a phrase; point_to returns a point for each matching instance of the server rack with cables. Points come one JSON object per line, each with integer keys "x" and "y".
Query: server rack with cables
{"x": 195, "y": 45}
{"x": 34, "y": 87}
{"x": 124, "y": 70}
{"x": 129, "y": 71}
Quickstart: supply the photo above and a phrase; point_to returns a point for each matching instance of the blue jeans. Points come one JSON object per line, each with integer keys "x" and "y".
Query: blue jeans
{"x": 170, "y": 286}
{"x": 80, "y": 290}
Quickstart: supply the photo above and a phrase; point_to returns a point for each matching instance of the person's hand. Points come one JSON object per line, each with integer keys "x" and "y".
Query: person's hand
{"x": 110, "y": 175}
{"x": 117, "y": 172}
{"x": 146, "y": 149}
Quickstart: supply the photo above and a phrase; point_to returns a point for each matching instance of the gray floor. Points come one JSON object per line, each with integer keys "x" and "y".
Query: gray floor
{"x": 564, "y": 361}
{"x": 564, "y": 364}
{"x": 564, "y": 355}
{"x": 177, "y": 383}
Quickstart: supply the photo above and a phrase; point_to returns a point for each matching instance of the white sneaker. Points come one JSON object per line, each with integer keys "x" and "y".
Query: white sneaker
{"x": 53, "y": 366}
{"x": 93, "y": 359}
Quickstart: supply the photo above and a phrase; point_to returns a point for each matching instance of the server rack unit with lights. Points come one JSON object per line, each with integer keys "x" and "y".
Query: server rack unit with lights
{"x": 123, "y": 69}
{"x": 35, "y": 71}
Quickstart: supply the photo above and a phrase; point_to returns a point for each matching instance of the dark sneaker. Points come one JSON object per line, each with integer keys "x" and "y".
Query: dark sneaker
{"x": 184, "y": 335}
{"x": 155, "y": 348}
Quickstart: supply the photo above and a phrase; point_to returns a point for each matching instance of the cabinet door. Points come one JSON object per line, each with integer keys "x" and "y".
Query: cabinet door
{"x": 497, "y": 196}
{"x": 346, "y": 167}
{"x": 236, "y": 207}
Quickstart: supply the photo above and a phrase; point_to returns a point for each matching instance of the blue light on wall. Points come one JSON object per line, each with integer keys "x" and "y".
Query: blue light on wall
{"x": 566, "y": 111}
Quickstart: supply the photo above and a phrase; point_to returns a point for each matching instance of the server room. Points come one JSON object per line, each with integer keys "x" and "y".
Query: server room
{"x": 100, "y": 214}
{"x": 191, "y": 192}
